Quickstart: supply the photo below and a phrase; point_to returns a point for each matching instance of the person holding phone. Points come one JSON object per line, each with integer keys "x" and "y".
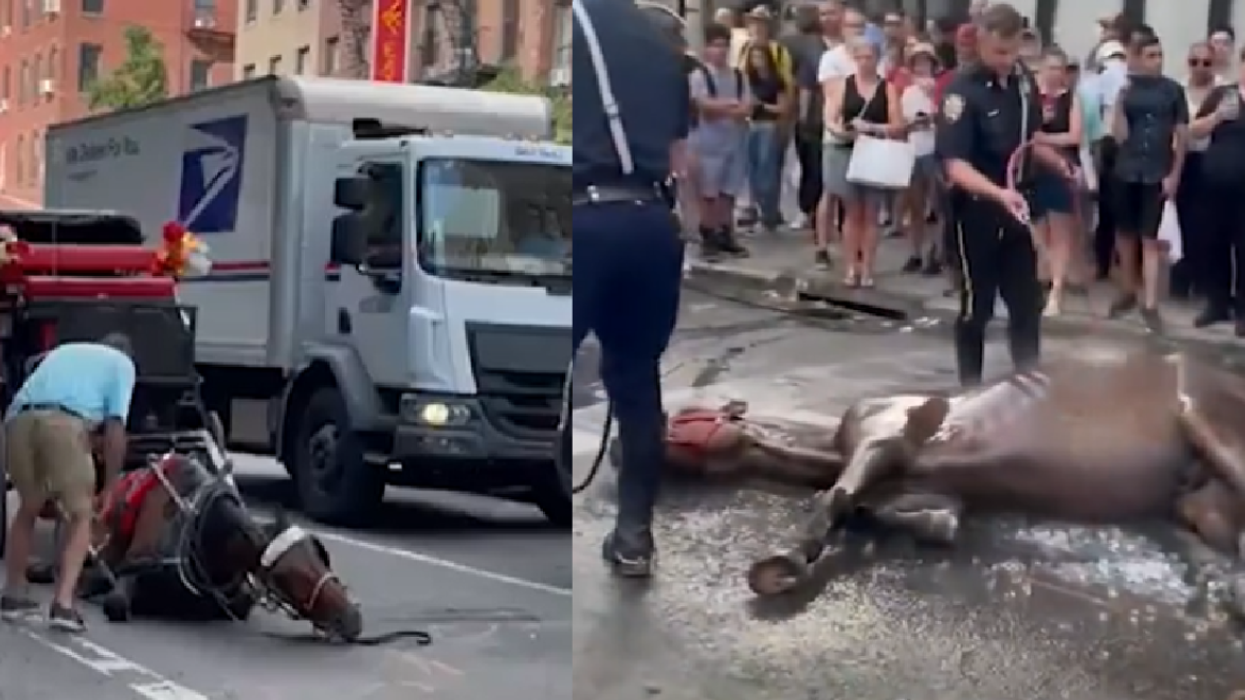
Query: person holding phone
{"x": 1223, "y": 177}
{"x": 918, "y": 106}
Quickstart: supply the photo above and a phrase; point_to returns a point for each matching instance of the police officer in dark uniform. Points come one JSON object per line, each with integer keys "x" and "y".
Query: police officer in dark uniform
{"x": 632, "y": 110}
{"x": 988, "y": 111}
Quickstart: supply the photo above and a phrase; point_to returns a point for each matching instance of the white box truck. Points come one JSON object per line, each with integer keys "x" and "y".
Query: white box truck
{"x": 390, "y": 295}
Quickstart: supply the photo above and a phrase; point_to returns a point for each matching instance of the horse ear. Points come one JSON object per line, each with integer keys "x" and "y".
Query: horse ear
{"x": 925, "y": 420}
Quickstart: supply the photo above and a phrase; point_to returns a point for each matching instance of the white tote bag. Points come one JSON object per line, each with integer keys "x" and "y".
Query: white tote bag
{"x": 882, "y": 163}
{"x": 1169, "y": 233}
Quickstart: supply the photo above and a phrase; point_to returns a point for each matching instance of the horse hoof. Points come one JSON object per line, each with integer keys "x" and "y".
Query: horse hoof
{"x": 116, "y": 608}
{"x": 777, "y": 575}
{"x": 942, "y": 527}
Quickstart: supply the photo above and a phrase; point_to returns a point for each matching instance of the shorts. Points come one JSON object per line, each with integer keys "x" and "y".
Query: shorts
{"x": 927, "y": 169}
{"x": 49, "y": 457}
{"x": 1137, "y": 208}
{"x": 834, "y": 162}
{"x": 721, "y": 174}
{"x": 1052, "y": 195}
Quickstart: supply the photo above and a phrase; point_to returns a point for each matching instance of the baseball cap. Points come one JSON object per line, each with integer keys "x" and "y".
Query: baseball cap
{"x": 1110, "y": 49}
{"x": 761, "y": 12}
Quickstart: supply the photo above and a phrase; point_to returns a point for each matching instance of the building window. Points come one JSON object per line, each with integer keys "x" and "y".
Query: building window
{"x": 53, "y": 68}
{"x": 23, "y": 83}
{"x": 274, "y": 65}
{"x": 303, "y": 5}
{"x": 7, "y": 21}
{"x": 329, "y": 60}
{"x": 88, "y": 65}
{"x": 252, "y": 9}
{"x": 509, "y": 30}
{"x": 19, "y": 167}
{"x": 300, "y": 60}
{"x": 562, "y": 42}
{"x": 36, "y": 158}
{"x": 248, "y": 71}
{"x": 200, "y": 74}
{"x": 430, "y": 43}
{"x": 92, "y": 7}
{"x": 6, "y": 84}
{"x": 28, "y": 9}
{"x": 36, "y": 77}
{"x": 277, "y": 6}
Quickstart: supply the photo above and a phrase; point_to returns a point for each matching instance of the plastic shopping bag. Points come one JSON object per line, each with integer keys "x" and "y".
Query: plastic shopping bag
{"x": 1169, "y": 233}
{"x": 1089, "y": 174}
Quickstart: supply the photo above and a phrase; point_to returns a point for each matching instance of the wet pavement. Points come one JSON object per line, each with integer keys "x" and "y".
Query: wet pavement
{"x": 1017, "y": 610}
{"x": 489, "y": 579}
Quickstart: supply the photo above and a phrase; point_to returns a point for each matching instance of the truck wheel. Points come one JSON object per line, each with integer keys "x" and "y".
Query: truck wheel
{"x": 551, "y": 492}
{"x": 335, "y": 483}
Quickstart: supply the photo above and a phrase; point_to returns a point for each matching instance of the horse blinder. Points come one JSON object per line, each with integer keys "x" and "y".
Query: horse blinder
{"x": 271, "y": 566}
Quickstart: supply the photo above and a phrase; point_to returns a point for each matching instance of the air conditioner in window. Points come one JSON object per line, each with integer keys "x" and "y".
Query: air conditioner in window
{"x": 205, "y": 21}
{"x": 47, "y": 86}
{"x": 51, "y": 7}
{"x": 6, "y": 30}
{"x": 560, "y": 77}
{"x": 4, "y": 105}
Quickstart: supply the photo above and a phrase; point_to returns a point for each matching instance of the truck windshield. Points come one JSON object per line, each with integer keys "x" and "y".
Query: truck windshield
{"x": 494, "y": 220}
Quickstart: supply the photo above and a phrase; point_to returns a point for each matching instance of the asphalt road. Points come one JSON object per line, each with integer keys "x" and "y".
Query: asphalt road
{"x": 489, "y": 579}
{"x": 1034, "y": 611}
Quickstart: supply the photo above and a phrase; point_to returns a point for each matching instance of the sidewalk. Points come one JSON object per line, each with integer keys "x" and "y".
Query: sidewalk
{"x": 784, "y": 262}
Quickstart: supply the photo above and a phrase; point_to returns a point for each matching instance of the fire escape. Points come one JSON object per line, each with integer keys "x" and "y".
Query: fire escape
{"x": 206, "y": 30}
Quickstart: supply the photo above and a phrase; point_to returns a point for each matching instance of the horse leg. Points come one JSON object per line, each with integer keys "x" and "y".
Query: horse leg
{"x": 933, "y": 518}
{"x": 1218, "y": 443}
{"x": 119, "y": 601}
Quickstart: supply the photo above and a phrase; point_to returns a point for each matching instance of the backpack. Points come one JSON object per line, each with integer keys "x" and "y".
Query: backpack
{"x": 711, "y": 86}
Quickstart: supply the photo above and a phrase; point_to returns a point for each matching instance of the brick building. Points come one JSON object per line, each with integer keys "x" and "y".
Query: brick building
{"x": 315, "y": 37}
{"x": 51, "y": 50}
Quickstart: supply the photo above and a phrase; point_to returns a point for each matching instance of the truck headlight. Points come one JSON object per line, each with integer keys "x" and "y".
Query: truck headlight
{"x": 433, "y": 413}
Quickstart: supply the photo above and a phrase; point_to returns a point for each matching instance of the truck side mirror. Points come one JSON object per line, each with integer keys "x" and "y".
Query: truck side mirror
{"x": 349, "y": 246}
{"x": 352, "y": 192}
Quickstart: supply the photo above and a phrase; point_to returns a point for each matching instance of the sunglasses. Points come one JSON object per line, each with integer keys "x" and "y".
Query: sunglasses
{"x": 1200, "y": 63}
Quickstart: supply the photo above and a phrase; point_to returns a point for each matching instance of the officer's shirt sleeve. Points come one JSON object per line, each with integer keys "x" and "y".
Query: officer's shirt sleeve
{"x": 955, "y": 125}
{"x": 1181, "y": 104}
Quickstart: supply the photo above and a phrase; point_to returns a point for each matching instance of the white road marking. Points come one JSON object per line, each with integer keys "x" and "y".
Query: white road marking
{"x": 445, "y": 564}
{"x": 140, "y": 679}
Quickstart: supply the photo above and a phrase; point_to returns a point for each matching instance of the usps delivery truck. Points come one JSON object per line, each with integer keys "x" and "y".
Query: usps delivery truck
{"x": 390, "y": 295}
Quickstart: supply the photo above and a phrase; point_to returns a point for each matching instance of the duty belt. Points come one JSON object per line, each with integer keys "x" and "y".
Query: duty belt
{"x": 605, "y": 194}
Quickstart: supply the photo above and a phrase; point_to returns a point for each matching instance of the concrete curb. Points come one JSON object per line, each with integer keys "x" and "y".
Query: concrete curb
{"x": 794, "y": 286}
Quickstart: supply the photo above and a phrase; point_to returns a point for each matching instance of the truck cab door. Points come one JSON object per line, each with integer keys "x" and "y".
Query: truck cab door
{"x": 370, "y": 311}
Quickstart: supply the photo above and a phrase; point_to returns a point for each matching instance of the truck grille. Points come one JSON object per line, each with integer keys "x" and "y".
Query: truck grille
{"x": 519, "y": 373}
{"x": 522, "y": 404}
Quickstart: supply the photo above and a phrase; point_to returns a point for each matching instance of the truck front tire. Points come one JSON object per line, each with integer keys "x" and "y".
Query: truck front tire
{"x": 335, "y": 483}
{"x": 551, "y": 491}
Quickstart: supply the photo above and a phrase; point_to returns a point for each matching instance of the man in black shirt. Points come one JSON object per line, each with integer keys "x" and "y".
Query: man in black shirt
{"x": 988, "y": 111}
{"x": 628, "y": 252}
{"x": 1150, "y": 125}
{"x": 806, "y": 47}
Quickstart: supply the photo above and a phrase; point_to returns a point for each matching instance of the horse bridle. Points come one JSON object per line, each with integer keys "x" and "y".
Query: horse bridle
{"x": 277, "y": 550}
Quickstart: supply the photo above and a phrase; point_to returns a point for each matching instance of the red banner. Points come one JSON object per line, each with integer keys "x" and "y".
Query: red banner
{"x": 391, "y": 40}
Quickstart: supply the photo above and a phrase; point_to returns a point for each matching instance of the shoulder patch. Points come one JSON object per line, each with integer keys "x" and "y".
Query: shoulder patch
{"x": 952, "y": 107}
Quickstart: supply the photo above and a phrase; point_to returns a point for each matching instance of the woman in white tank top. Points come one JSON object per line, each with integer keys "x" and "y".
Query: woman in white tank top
{"x": 918, "y": 105}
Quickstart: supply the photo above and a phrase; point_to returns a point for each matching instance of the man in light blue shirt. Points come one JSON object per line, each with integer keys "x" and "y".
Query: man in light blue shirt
{"x": 77, "y": 391}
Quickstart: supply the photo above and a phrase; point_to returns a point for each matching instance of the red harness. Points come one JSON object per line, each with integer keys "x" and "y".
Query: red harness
{"x": 128, "y": 496}
{"x": 694, "y": 429}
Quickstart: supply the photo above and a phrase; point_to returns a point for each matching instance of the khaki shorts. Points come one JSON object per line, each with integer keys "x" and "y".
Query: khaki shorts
{"x": 48, "y": 454}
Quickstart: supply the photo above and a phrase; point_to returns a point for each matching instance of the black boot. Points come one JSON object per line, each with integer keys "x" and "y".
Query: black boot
{"x": 729, "y": 244}
{"x": 1024, "y": 342}
{"x": 630, "y": 549}
{"x": 710, "y": 248}
{"x": 1211, "y": 315}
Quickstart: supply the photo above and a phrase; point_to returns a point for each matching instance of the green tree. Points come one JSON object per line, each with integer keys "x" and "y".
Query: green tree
{"x": 140, "y": 80}
{"x": 511, "y": 80}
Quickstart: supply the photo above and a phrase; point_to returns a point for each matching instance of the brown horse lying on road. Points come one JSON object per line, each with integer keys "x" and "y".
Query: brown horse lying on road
{"x": 177, "y": 540}
{"x": 1109, "y": 436}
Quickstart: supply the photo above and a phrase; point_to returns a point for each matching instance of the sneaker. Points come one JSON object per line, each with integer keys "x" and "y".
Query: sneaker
{"x": 630, "y": 559}
{"x": 1122, "y": 305}
{"x": 1152, "y": 320}
{"x": 822, "y": 260}
{"x": 728, "y": 244}
{"x": 16, "y": 607}
{"x": 65, "y": 619}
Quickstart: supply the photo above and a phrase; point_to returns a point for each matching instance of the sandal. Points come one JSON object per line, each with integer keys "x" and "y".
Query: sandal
{"x": 866, "y": 282}
{"x": 852, "y": 280}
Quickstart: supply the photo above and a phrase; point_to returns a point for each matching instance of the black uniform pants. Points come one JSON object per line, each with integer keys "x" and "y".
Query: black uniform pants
{"x": 1224, "y": 249}
{"x": 1104, "y": 233}
{"x": 808, "y": 150}
{"x": 996, "y": 256}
